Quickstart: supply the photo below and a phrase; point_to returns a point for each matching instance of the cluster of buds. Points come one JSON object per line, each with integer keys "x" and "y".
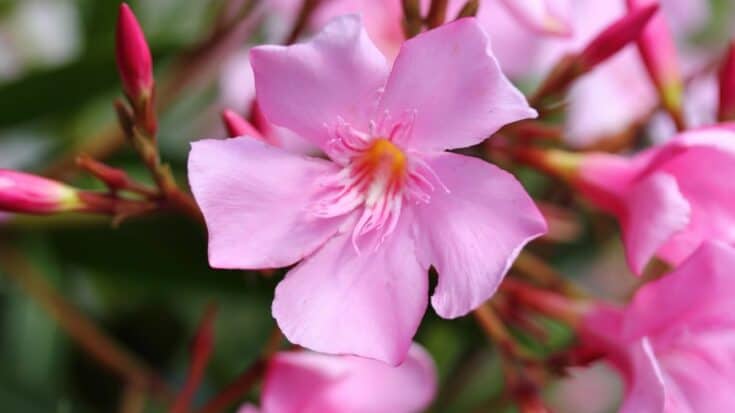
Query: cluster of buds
{"x": 25, "y": 193}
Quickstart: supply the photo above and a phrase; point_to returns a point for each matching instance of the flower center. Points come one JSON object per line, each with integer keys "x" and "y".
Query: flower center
{"x": 383, "y": 164}
{"x": 378, "y": 177}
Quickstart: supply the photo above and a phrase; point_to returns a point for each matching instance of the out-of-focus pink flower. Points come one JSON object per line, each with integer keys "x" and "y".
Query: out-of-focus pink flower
{"x": 31, "y": 194}
{"x": 658, "y": 50}
{"x": 310, "y": 383}
{"x": 133, "y": 56}
{"x": 544, "y": 16}
{"x": 675, "y": 343}
{"x": 388, "y": 203}
{"x": 622, "y": 79}
{"x": 515, "y": 21}
{"x": 670, "y": 198}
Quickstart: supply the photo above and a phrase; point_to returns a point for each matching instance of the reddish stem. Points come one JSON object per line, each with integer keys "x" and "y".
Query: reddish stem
{"x": 202, "y": 346}
{"x": 235, "y": 390}
{"x": 545, "y": 302}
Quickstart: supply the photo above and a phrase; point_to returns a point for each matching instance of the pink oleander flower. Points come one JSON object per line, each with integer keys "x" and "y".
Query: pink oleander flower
{"x": 309, "y": 382}
{"x": 669, "y": 198}
{"x": 31, "y": 194}
{"x": 674, "y": 344}
{"x": 388, "y": 203}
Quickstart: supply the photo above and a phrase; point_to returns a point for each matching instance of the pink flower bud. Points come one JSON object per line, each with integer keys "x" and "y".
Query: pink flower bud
{"x": 237, "y": 126}
{"x": 616, "y": 36}
{"x": 657, "y": 48}
{"x": 31, "y": 194}
{"x": 727, "y": 86}
{"x": 602, "y": 47}
{"x": 133, "y": 56}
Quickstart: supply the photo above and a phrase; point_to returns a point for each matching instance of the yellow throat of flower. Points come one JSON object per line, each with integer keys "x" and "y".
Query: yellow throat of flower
{"x": 383, "y": 155}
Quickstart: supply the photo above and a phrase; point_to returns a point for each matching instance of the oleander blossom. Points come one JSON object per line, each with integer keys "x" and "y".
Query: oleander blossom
{"x": 388, "y": 203}
{"x": 675, "y": 342}
{"x": 669, "y": 198}
{"x": 305, "y": 382}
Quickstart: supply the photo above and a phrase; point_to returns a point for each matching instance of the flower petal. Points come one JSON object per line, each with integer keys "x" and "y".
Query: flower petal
{"x": 295, "y": 381}
{"x": 341, "y": 302}
{"x": 646, "y": 391}
{"x": 485, "y": 222}
{"x": 703, "y": 172}
{"x": 407, "y": 388}
{"x": 709, "y": 356}
{"x": 307, "y": 87}
{"x": 698, "y": 291}
{"x": 254, "y": 197}
{"x": 311, "y": 382}
{"x": 655, "y": 209}
{"x": 450, "y": 79}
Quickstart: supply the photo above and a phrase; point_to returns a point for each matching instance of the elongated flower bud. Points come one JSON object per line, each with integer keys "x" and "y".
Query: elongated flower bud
{"x": 616, "y": 36}
{"x": 31, "y": 194}
{"x": 135, "y": 65}
{"x": 727, "y": 86}
{"x": 133, "y": 56}
{"x": 657, "y": 48}
{"x": 602, "y": 47}
{"x": 237, "y": 126}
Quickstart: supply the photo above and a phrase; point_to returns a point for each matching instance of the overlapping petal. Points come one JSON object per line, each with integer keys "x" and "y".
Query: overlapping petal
{"x": 675, "y": 342}
{"x": 697, "y": 292}
{"x": 655, "y": 210}
{"x": 646, "y": 391}
{"x": 256, "y": 198}
{"x": 703, "y": 172}
{"x": 450, "y": 81}
{"x": 670, "y": 198}
{"x": 473, "y": 233}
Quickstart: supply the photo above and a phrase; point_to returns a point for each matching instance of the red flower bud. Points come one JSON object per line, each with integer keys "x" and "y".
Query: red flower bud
{"x": 237, "y": 126}
{"x": 616, "y": 36}
{"x": 133, "y": 56}
{"x": 31, "y": 194}
{"x": 727, "y": 86}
